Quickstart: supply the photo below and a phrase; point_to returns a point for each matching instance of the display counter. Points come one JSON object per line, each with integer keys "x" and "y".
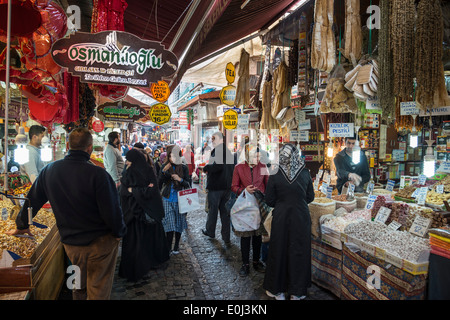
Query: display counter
{"x": 34, "y": 265}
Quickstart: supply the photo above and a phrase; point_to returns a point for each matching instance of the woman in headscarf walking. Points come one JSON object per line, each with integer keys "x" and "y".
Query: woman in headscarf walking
{"x": 144, "y": 246}
{"x": 288, "y": 191}
{"x": 174, "y": 177}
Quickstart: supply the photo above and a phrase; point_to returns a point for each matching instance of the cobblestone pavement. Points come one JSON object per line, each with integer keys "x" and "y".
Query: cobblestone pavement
{"x": 205, "y": 269}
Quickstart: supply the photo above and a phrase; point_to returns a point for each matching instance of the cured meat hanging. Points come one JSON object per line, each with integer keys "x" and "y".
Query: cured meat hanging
{"x": 353, "y": 30}
{"x": 243, "y": 85}
{"x": 323, "y": 47}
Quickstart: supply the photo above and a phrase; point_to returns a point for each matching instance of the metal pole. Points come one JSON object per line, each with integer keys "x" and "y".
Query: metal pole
{"x": 8, "y": 63}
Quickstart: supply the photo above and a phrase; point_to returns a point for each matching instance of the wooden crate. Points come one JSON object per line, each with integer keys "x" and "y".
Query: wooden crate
{"x": 42, "y": 274}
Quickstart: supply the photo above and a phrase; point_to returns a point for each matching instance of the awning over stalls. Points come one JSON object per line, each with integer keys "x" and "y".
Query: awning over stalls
{"x": 193, "y": 29}
{"x": 200, "y": 97}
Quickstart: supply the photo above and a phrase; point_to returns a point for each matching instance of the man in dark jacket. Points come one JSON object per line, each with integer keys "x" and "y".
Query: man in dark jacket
{"x": 219, "y": 172}
{"x": 346, "y": 170}
{"x": 85, "y": 202}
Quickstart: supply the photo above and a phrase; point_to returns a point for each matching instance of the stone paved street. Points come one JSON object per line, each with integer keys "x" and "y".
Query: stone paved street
{"x": 205, "y": 269}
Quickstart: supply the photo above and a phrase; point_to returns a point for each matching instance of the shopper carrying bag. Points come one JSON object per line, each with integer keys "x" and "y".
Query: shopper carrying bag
{"x": 249, "y": 183}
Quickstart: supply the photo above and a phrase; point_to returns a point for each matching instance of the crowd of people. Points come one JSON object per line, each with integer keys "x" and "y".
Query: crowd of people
{"x": 135, "y": 202}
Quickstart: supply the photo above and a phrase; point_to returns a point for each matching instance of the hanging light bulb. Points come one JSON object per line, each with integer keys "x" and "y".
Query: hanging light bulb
{"x": 356, "y": 153}
{"x": 413, "y": 140}
{"x": 330, "y": 151}
{"x": 21, "y": 153}
{"x": 414, "y": 137}
{"x": 429, "y": 161}
{"x": 46, "y": 151}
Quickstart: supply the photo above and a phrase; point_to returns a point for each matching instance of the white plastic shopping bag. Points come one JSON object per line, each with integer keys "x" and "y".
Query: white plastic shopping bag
{"x": 188, "y": 200}
{"x": 245, "y": 215}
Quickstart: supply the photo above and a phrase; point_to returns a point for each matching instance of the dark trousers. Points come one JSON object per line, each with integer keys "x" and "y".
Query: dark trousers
{"x": 245, "y": 248}
{"x": 217, "y": 203}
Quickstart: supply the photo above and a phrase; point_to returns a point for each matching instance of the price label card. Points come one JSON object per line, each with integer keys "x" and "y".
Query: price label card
{"x": 394, "y": 225}
{"x": 415, "y": 193}
{"x": 390, "y": 185}
{"x": 440, "y": 188}
{"x": 370, "y": 201}
{"x": 351, "y": 188}
{"x": 420, "y": 226}
{"x": 370, "y": 187}
{"x": 316, "y": 184}
{"x": 324, "y": 188}
{"x": 422, "y": 195}
{"x": 422, "y": 179}
{"x": 383, "y": 214}
{"x": 320, "y": 173}
{"x": 329, "y": 192}
{"x": 402, "y": 182}
{"x": 4, "y": 214}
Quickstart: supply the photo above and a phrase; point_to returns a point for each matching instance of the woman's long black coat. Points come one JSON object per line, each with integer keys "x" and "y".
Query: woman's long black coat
{"x": 144, "y": 246}
{"x": 288, "y": 266}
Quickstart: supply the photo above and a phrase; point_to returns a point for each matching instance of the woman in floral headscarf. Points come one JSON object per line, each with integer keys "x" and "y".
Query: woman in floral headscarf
{"x": 288, "y": 191}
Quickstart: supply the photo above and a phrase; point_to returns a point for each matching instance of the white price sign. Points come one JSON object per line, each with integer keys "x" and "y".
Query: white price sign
{"x": 383, "y": 214}
{"x": 420, "y": 226}
{"x": 370, "y": 201}
{"x": 394, "y": 225}
{"x": 351, "y": 188}
{"x": 440, "y": 188}
{"x": 329, "y": 192}
{"x": 422, "y": 179}
{"x": 324, "y": 188}
{"x": 303, "y": 136}
{"x": 408, "y": 108}
{"x": 370, "y": 187}
{"x": 390, "y": 185}
{"x": 422, "y": 195}
{"x": 341, "y": 130}
{"x": 316, "y": 184}
{"x": 304, "y": 125}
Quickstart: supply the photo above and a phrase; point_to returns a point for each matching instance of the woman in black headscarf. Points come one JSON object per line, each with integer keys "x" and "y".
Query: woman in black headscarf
{"x": 144, "y": 245}
{"x": 288, "y": 191}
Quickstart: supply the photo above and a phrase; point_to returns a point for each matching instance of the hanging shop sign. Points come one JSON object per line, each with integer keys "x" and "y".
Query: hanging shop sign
{"x": 230, "y": 119}
{"x": 121, "y": 111}
{"x": 160, "y": 113}
{"x": 160, "y": 91}
{"x": 440, "y": 111}
{"x": 98, "y": 126}
{"x": 228, "y": 95}
{"x": 408, "y": 108}
{"x": 230, "y": 73}
{"x": 341, "y": 130}
{"x": 114, "y": 57}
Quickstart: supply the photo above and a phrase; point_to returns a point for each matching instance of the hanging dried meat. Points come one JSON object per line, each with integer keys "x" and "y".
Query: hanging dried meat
{"x": 402, "y": 33}
{"x": 279, "y": 88}
{"x": 267, "y": 121}
{"x": 243, "y": 85}
{"x": 385, "y": 58}
{"x": 323, "y": 47}
{"x": 431, "y": 91}
{"x": 353, "y": 30}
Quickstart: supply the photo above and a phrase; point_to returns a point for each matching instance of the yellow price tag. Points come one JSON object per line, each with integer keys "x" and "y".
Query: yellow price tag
{"x": 160, "y": 113}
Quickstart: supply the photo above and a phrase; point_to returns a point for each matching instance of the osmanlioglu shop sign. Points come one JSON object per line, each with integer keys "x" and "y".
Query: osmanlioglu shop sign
{"x": 114, "y": 57}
